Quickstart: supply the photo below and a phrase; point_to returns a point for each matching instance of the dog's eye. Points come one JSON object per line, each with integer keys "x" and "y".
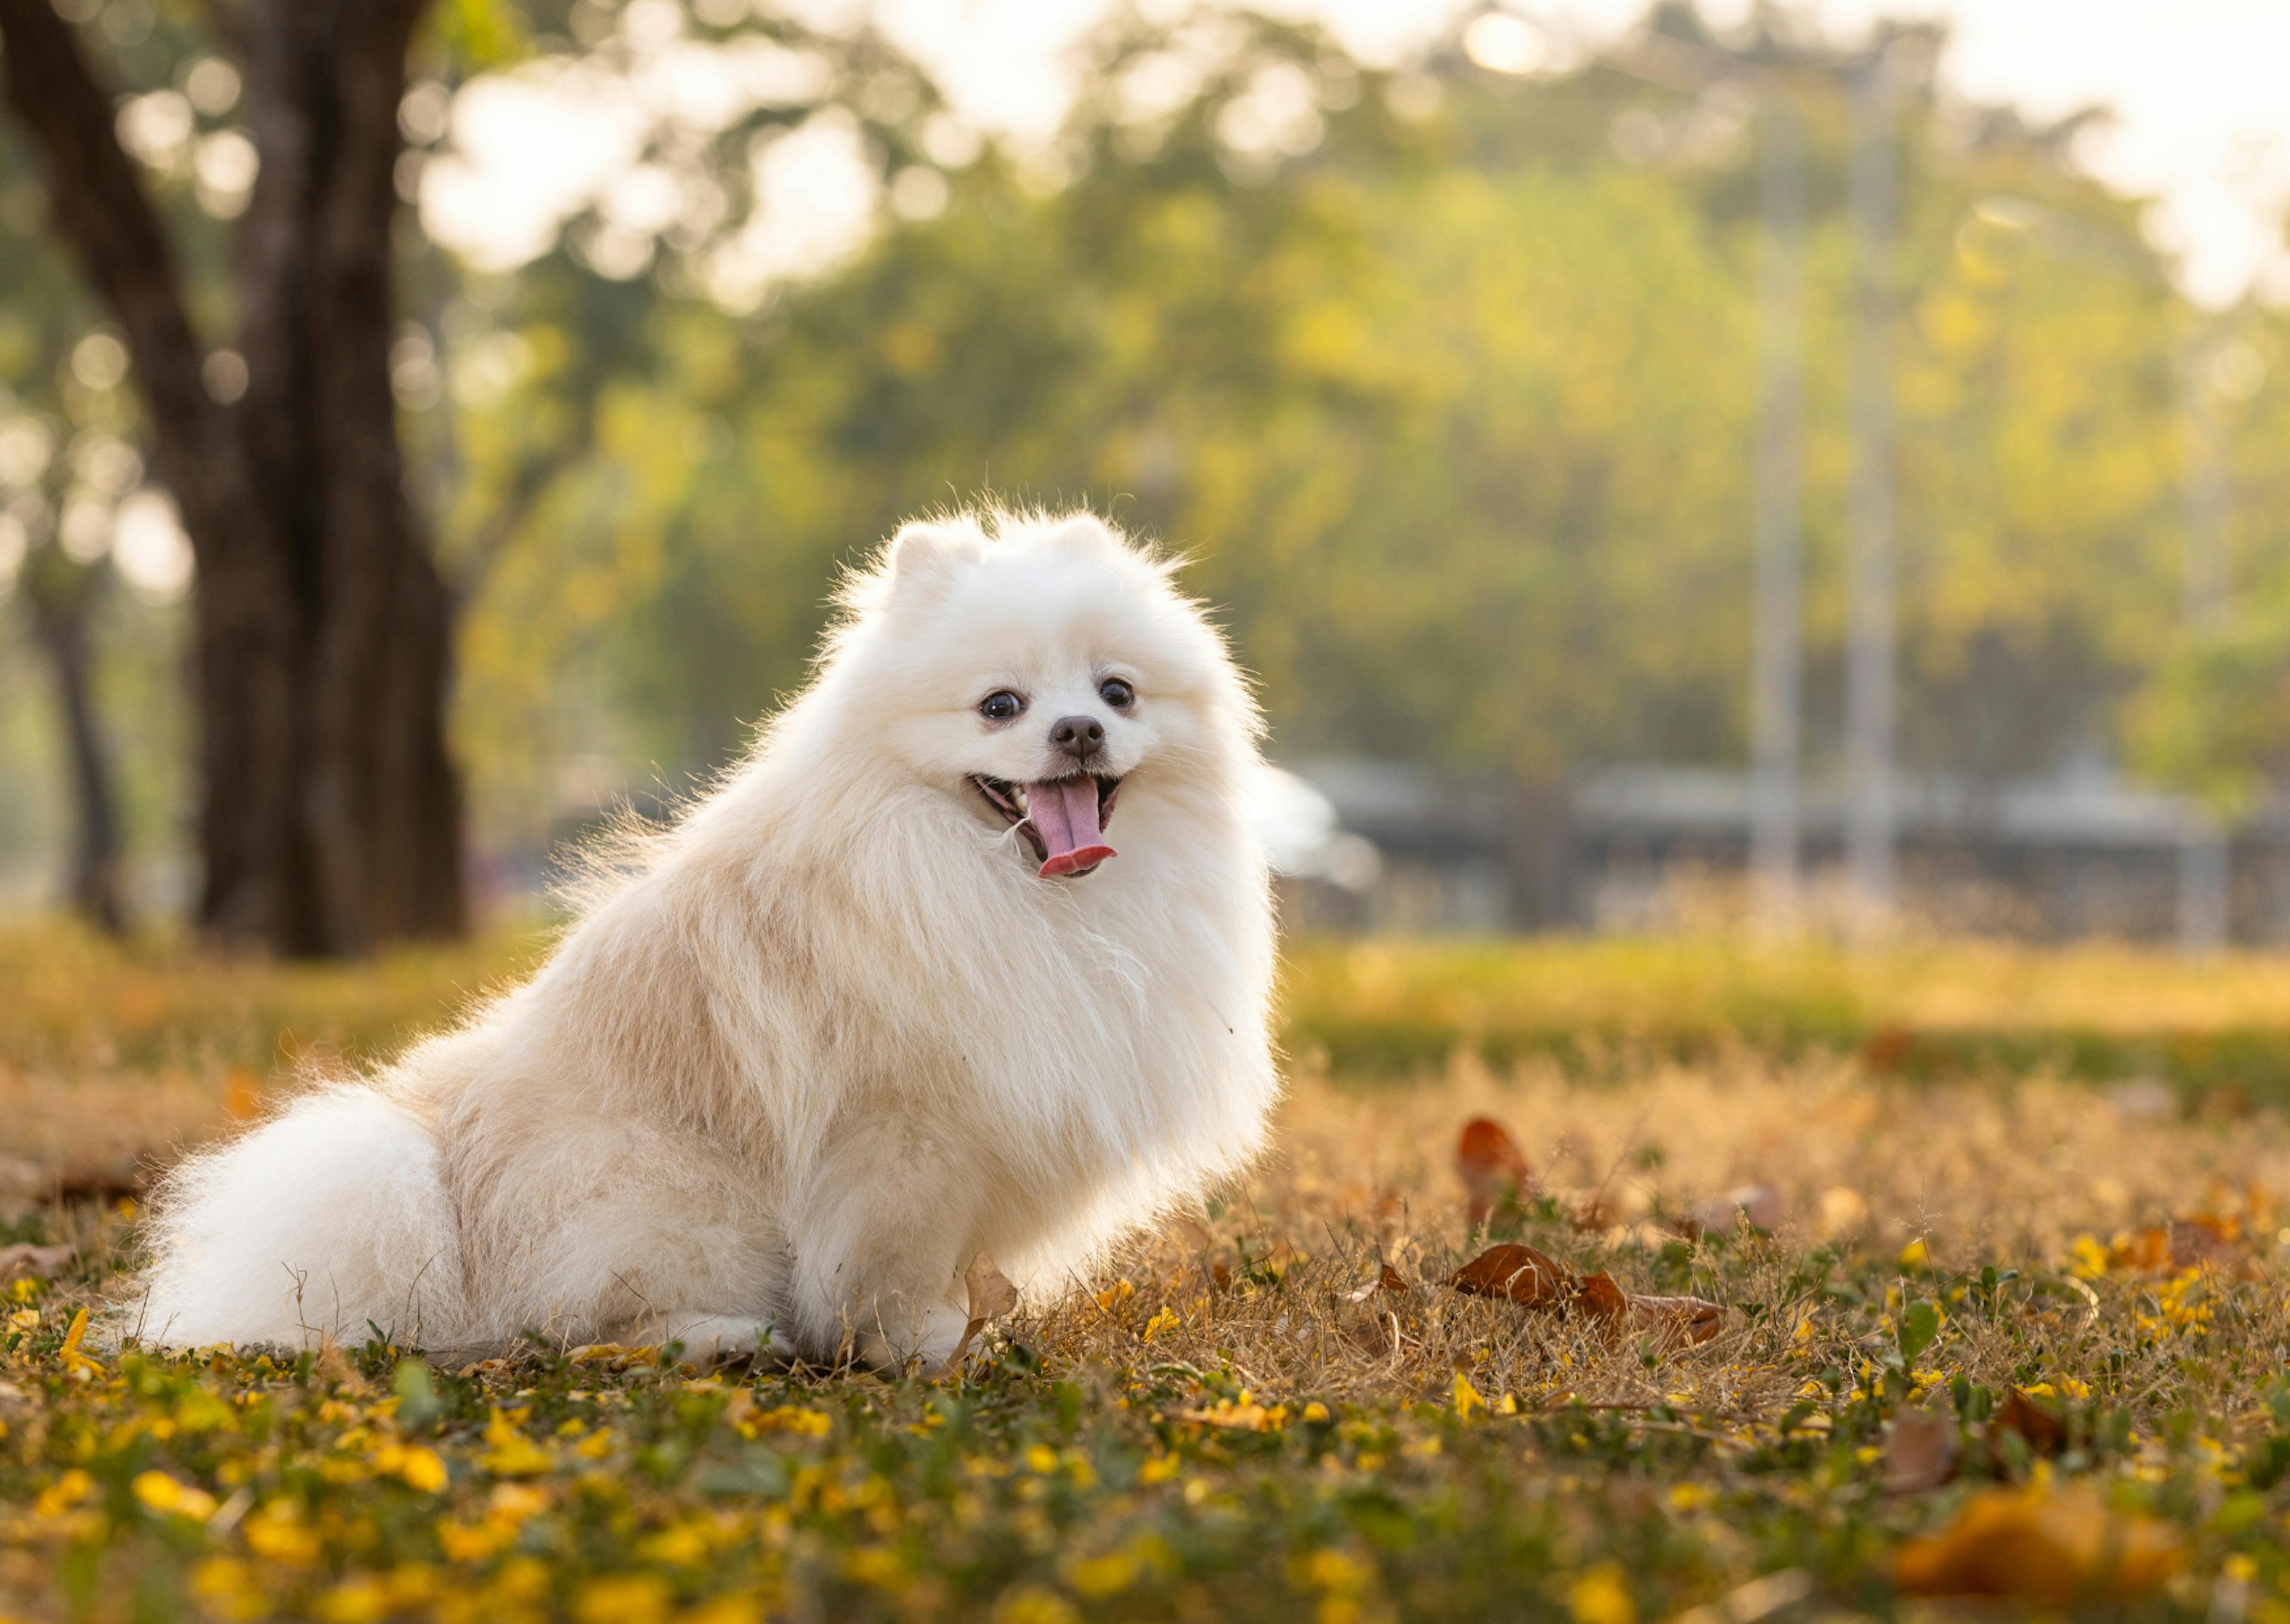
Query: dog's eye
{"x": 1002, "y": 706}
{"x": 1117, "y": 694}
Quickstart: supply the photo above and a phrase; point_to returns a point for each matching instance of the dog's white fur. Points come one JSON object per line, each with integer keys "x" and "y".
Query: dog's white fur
{"x": 833, "y": 1037}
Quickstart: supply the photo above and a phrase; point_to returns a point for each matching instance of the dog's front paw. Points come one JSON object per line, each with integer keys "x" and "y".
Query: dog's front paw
{"x": 710, "y": 1339}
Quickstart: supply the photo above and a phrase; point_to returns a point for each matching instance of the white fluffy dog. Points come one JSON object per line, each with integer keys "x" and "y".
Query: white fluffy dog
{"x": 884, "y": 999}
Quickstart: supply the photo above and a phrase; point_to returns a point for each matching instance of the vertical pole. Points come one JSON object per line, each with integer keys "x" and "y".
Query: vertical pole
{"x": 1870, "y": 631}
{"x": 2207, "y": 498}
{"x": 1776, "y": 658}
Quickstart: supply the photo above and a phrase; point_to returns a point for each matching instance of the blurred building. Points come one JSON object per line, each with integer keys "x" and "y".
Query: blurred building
{"x": 2080, "y": 854}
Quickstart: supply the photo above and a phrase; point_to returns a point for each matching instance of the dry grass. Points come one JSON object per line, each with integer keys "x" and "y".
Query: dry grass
{"x": 1222, "y": 1425}
{"x": 1971, "y": 1176}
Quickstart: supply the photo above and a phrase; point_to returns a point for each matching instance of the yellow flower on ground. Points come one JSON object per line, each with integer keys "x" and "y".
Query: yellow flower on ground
{"x": 877, "y": 1566}
{"x": 423, "y": 1470}
{"x": 463, "y": 1543}
{"x": 684, "y": 1545}
{"x": 797, "y": 1419}
{"x": 512, "y": 1454}
{"x": 1334, "y": 1570}
{"x": 1099, "y": 1577}
{"x": 67, "y": 1491}
{"x": 75, "y": 1363}
{"x": 1244, "y": 1416}
{"x": 1602, "y": 1597}
{"x": 228, "y": 1589}
{"x": 276, "y": 1531}
{"x": 512, "y": 1503}
{"x": 622, "y": 1598}
{"x": 359, "y": 1600}
{"x": 163, "y": 1494}
{"x": 1033, "y": 1604}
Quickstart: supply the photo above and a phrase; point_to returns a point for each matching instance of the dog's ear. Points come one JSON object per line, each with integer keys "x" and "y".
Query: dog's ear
{"x": 1084, "y": 532}
{"x": 926, "y": 554}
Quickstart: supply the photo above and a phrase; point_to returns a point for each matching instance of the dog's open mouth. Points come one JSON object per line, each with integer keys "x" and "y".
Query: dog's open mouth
{"x": 1063, "y": 817}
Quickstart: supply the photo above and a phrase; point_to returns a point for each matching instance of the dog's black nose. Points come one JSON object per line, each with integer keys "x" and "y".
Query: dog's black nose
{"x": 1079, "y": 736}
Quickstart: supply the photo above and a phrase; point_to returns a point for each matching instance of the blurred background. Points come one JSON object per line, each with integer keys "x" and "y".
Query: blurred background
{"x": 1817, "y": 468}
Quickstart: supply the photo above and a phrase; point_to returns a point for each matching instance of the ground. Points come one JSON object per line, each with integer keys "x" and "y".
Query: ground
{"x": 1991, "y": 1235}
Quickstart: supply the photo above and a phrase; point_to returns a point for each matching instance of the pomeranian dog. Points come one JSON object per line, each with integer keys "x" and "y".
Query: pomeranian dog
{"x": 883, "y": 1000}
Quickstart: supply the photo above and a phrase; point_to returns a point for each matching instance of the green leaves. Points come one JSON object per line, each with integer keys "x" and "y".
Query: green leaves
{"x": 418, "y": 1403}
{"x": 2215, "y": 722}
{"x": 480, "y": 34}
{"x": 1918, "y": 1328}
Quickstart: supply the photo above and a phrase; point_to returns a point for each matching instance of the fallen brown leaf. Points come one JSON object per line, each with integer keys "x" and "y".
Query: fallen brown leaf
{"x": 1919, "y": 1452}
{"x": 1693, "y": 1319}
{"x": 2042, "y": 1429}
{"x": 991, "y": 1296}
{"x": 2039, "y": 1547}
{"x": 45, "y": 1262}
{"x": 2204, "y": 1242}
{"x": 1888, "y": 1048}
{"x": 1387, "y": 1279}
{"x": 2148, "y": 1252}
{"x": 1533, "y": 1279}
{"x": 1528, "y": 1277}
{"x": 1492, "y": 1167}
{"x": 1601, "y": 1299}
{"x": 1375, "y": 1336}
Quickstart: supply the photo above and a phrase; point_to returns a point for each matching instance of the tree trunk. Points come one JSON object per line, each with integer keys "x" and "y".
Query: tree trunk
{"x": 329, "y": 811}
{"x": 59, "y": 617}
{"x": 379, "y": 813}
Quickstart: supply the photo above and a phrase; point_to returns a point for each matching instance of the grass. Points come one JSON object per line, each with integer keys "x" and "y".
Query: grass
{"x": 1932, "y": 1010}
{"x": 1974, "y": 1355}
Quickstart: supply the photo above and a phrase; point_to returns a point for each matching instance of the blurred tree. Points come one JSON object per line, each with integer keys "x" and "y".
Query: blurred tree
{"x": 329, "y": 816}
{"x": 2215, "y": 722}
{"x": 67, "y": 461}
{"x": 61, "y": 593}
{"x": 1441, "y": 376}
{"x": 330, "y": 808}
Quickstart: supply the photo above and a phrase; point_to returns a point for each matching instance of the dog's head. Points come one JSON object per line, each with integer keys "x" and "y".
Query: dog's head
{"x": 1032, "y": 667}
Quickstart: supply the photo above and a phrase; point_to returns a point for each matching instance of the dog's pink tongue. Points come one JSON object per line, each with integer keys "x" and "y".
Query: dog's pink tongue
{"x": 1064, "y": 813}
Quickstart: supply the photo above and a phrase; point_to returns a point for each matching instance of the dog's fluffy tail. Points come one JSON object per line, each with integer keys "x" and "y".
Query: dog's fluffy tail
{"x": 327, "y": 1219}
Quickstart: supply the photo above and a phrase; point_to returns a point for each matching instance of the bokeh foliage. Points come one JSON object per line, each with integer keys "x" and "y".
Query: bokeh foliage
{"x": 1445, "y": 379}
